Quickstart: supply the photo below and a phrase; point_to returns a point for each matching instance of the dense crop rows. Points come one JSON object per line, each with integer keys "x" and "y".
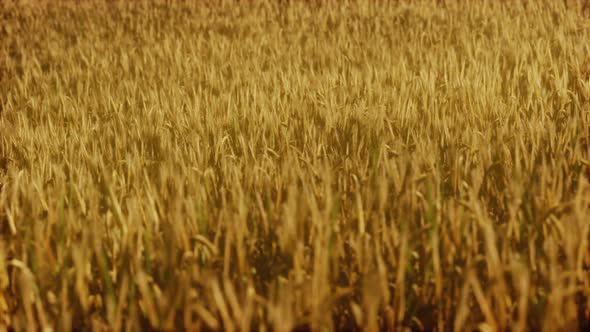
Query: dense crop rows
{"x": 279, "y": 165}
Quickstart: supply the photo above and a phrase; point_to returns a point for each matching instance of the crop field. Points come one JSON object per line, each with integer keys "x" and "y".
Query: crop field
{"x": 294, "y": 165}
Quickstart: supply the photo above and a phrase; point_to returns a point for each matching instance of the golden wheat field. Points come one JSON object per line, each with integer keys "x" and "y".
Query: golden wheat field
{"x": 280, "y": 166}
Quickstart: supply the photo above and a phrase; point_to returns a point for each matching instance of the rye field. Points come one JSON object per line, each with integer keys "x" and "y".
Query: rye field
{"x": 294, "y": 165}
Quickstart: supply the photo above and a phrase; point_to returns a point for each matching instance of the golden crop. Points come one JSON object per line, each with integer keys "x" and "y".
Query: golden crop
{"x": 280, "y": 165}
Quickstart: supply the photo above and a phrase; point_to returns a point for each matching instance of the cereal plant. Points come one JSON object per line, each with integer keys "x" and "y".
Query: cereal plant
{"x": 281, "y": 165}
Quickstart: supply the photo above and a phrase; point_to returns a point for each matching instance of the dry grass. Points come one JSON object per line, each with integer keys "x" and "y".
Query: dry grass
{"x": 273, "y": 166}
